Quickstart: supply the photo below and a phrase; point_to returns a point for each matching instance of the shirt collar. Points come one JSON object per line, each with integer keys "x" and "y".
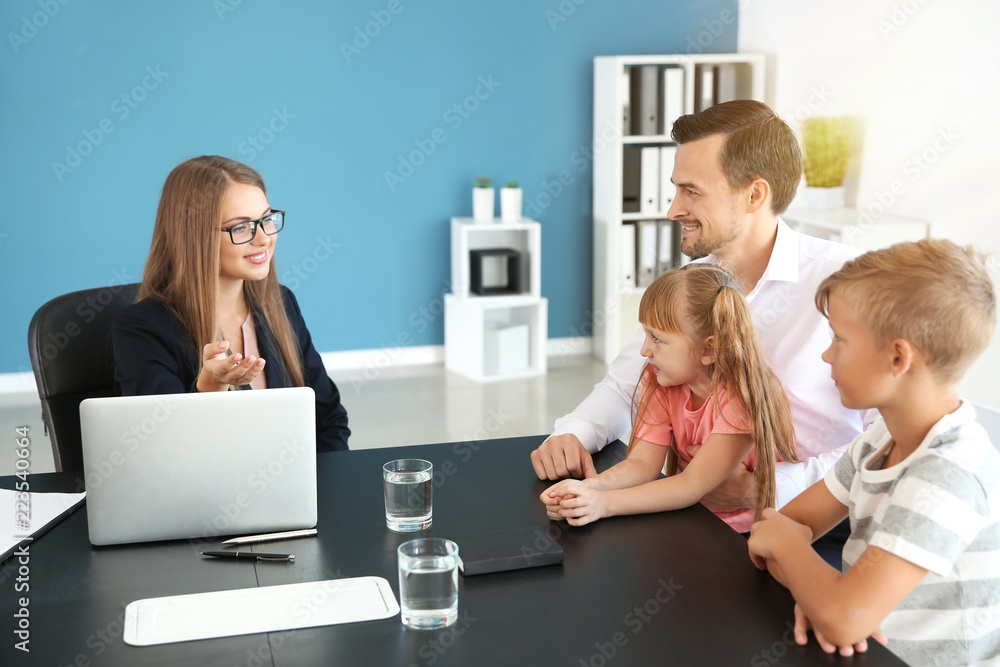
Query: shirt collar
{"x": 783, "y": 264}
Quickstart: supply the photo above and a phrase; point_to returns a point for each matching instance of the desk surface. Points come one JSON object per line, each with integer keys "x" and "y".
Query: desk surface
{"x": 671, "y": 588}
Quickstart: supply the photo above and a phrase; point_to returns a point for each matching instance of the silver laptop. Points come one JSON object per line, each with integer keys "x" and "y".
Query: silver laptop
{"x": 180, "y": 466}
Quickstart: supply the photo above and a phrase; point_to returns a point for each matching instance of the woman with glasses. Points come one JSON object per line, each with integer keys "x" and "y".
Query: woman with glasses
{"x": 211, "y": 315}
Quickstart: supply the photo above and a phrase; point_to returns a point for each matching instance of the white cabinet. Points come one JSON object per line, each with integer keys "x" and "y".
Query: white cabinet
{"x": 628, "y": 90}
{"x": 861, "y": 229}
{"x": 496, "y": 321}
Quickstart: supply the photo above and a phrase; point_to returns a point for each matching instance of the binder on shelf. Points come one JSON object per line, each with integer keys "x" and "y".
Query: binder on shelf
{"x": 625, "y": 93}
{"x": 644, "y": 99}
{"x": 667, "y": 189}
{"x": 673, "y": 97}
{"x": 664, "y": 246}
{"x": 649, "y": 180}
{"x": 704, "y": 87}
{"x": 628, "y": 255}
{"x": 631, "y": 167}
{"x": 646, "y": 252}
{"x": 726, "y": 83}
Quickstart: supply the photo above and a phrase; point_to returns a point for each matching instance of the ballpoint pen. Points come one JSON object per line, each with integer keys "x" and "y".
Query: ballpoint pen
{"x": 268, "y": 537}
{"x": 249, "y": 555}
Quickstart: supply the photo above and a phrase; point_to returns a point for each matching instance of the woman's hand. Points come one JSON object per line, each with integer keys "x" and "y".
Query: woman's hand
{"x": 219, "y": 371}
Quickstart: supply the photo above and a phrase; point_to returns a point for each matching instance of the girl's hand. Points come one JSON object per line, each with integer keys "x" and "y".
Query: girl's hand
{"x": 219, "y": 371}
{"x": 578, "y": 503}
{"x": 551, "y": 497}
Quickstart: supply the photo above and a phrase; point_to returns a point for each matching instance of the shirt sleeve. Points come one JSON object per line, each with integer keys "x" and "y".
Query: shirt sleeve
{"x": 934, "y": 512}
{"x": 152, "y": 352}
{"x": 606, "y": 414}
{"x": 332, "y": 432}
{"x": 794, "y": 478}
{"x": 840, "y": 477}
{"x": 655, "y": 425}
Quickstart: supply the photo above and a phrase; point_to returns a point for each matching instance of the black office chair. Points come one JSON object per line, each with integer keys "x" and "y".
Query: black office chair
{"x": 69, "y": 342}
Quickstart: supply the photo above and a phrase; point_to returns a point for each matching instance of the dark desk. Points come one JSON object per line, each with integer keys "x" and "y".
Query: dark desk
{"x": 673, "y": 588}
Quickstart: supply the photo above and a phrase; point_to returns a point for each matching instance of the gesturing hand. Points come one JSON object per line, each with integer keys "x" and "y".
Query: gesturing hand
{"x": 219, "y": 371}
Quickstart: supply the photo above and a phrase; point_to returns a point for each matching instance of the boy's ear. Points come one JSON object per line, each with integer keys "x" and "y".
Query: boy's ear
{"x": 902, "y": 352}
{"x": 708, "y": 351}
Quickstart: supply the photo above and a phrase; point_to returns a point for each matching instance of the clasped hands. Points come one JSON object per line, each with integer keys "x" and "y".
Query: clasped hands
{"x": 219, "y": 371}
{"x": 574, "y": 501}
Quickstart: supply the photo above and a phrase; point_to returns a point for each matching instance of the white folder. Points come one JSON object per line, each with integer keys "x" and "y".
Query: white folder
{"x": 673, "y": 97}
{"x": 649, "y": 180}
{"x": 704, "y": 87}
{"x": 667, "y": 189}
{"x": 628, "y": 255}
{"x": 725, "y": 83}
{"x": 664, "y": 246}
{"x": 646, "y": 252}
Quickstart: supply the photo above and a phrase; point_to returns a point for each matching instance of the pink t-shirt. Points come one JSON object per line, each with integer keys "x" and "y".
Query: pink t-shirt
{"x": 670, "y": 421}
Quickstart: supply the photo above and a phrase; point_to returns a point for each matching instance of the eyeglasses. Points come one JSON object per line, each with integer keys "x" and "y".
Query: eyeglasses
{"x": 244, "y": 232}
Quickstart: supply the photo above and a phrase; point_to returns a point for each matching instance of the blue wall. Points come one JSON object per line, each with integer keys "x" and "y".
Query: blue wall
{"x": 99, "y": 100}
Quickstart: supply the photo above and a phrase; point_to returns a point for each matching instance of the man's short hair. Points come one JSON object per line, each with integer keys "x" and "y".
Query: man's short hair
{"x": 934, "y": 294}
{"x": 758, "y": 144}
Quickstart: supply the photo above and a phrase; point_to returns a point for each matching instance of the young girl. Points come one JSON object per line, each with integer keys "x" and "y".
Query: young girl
{"x": 210, "y": 313}
{"x": 706, "y": 384}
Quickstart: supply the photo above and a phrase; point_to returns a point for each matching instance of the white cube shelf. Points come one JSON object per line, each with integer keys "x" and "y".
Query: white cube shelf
{"x": 524, "y": 236}
{"x": 495, "y": 337}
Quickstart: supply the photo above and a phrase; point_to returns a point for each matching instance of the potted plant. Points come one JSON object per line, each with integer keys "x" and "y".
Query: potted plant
{"x": 826, "y": 152}
{"x": 483, "y": 198}
{"x": 511, "y": 197}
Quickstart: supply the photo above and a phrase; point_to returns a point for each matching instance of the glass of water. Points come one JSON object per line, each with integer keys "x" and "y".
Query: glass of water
{"x": 408, "y": 485}
{"x": 428, "y": 583}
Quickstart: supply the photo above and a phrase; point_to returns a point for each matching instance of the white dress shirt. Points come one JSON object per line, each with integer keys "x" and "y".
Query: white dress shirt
{"x": 794, "y": 335}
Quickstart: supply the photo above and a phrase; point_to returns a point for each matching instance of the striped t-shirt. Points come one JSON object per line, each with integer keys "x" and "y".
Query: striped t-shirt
{"x": 940, "y": 510}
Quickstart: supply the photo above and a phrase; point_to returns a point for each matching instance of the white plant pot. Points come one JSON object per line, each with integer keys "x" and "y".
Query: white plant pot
{"x": 483, "y": 200}
{"x": 510, "y": 204}
{"x": 825, "y": 198}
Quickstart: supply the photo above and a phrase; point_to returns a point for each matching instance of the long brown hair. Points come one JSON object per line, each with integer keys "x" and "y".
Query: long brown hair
{"x": 182, "y": 269}
{"x": 703, "y": 300}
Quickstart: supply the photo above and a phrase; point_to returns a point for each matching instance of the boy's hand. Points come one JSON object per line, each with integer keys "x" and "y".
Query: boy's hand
{"x": 802, "y": 624}
{"x": 772, "y": 529}
{"x": 575, "y": 502}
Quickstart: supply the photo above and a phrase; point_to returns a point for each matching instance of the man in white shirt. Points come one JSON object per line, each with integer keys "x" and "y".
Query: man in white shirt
{"x": 737, "y": 168}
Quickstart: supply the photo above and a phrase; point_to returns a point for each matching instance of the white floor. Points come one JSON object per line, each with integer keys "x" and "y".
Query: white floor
{"x": 408, "y": 405}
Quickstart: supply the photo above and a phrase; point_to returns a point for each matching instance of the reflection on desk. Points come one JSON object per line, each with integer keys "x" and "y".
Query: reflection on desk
{"x": 670, "y": 588}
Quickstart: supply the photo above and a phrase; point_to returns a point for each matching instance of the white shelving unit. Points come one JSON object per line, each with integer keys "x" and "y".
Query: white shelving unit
{"x": 854, "y": 227}
{"x": 616, "y": 302}
{"x": 495, "y": 337}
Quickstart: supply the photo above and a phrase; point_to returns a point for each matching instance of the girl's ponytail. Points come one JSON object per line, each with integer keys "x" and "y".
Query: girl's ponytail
{"x": 740, "y": 367}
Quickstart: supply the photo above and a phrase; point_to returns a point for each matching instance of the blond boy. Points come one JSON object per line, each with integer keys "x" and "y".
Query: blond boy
{"x": 921, "y": 486}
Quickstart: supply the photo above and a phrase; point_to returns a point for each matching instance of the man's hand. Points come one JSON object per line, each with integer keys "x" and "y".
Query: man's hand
{"x": 737, "y": 492}
{"x": 562, "y": 456}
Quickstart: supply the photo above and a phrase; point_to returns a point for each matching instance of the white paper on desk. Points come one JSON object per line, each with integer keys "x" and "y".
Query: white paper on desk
{"x": 247, "y": 611}
{"x": 45, "y": 508}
